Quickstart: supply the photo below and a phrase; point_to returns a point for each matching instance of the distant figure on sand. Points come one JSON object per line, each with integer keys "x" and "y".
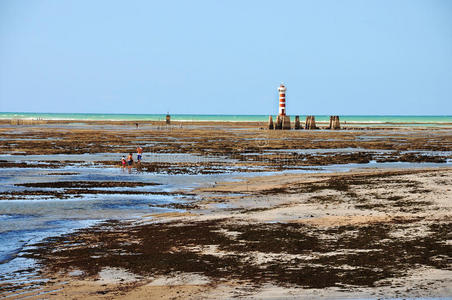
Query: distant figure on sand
{"x": 139, "y": 153}
{"x": 130, "y": 160}
{"x": 123, "y": 162}
{"x": 136, "y": 124}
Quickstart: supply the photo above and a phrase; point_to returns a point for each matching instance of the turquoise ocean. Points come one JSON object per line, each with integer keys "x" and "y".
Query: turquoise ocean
{"x": 370, "y": 119}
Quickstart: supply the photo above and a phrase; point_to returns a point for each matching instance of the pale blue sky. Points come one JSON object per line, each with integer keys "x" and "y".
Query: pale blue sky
{"x": 226, "y": 57}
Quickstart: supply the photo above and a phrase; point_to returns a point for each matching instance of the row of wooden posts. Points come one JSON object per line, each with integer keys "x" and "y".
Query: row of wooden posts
{"x": 283, "y": 122}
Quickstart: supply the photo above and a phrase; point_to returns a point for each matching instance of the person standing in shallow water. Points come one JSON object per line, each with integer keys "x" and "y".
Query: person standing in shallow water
{"x": 139, "y": 154}
{"x": 130, "y": 160}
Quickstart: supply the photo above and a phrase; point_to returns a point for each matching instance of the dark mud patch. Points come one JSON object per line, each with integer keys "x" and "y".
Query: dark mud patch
{"x": 8, "y": 164}
{"x": 187, "y": 205}
{"x": 413, "y": 158}
{"x": 259, "y": 209}
{"x": 324, "y": 199}
{"x": 87, "y": 184}
{"x": 296, "y": 254}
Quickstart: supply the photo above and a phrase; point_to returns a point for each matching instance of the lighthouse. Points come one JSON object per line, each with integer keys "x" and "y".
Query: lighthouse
{"x": 282, "y": 100}
{"x": 282, "y": 120}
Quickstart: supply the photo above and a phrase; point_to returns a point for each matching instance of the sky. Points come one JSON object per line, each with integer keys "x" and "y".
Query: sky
{"x": 343, "y": 57}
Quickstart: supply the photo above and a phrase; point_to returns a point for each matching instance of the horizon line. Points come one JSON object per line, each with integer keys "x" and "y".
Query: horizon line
{"x": 217, "y": 114}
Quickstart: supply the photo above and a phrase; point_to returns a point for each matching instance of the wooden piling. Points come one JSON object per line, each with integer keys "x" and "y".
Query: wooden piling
{"x": 278, "y": 124}
{"x": 270, "y": 122}
{"x": 337, "y": 124}
{"x": 297, "y": 122}
{"x": 334, "y": 123}
{"x": 286, "y": 123}
{"x": 282, "y": 123}
{"x": 310, "y": 122}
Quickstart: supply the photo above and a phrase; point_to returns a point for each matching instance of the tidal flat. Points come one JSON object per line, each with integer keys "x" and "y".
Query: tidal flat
{"x": 224, "y": 209}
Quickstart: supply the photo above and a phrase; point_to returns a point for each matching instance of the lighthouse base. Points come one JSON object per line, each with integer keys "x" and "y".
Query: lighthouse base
{"x": 282, "y": 122}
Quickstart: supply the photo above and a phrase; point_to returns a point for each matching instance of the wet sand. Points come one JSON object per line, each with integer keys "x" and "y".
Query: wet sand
{"x": 379, "y": 232}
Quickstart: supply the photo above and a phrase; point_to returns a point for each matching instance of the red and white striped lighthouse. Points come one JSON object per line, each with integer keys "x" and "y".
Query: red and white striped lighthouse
{"x": 282, "y": 100}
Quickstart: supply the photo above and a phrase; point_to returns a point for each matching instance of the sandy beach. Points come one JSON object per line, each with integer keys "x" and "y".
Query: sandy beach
{"x": 244, "y": 212}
